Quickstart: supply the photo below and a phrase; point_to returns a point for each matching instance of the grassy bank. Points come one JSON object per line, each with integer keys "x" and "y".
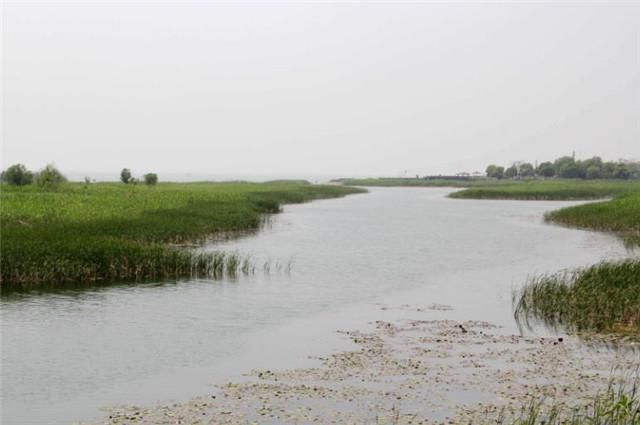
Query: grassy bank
{"x": 620, "y": 215}
{"x": 602, "y": 298}
{"x": 112, "y": 231}
{"x": 551, "y": 190}
{"x": 413, "y": 182}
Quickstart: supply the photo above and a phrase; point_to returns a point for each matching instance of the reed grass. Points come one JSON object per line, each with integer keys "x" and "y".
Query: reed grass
{"x": 113, "y": 232}
{"x": 601, "y": 298}
{"x": 620, "y": 215}
{"x": 551, "y": 190}
{"x": 618, "y": 405}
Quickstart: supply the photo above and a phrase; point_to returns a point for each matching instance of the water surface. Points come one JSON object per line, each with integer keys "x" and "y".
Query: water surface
{"x": 67, "y": 354}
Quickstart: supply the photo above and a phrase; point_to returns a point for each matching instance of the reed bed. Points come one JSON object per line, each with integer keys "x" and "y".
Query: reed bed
{"x": 113, "y": 232}
{"x": 618, "y": 405}
{"x": 620, "y": 215}
{"x": 601, "y": 298}
{"x": 551, "y": 190}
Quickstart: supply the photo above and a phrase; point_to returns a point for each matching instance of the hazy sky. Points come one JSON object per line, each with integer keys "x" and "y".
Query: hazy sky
{"x": 317, "y": 88}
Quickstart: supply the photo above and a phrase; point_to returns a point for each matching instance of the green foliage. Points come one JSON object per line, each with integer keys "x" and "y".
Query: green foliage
{"x": 49, "y": 177}
{"x": 546, "y": 169}
{"x": 511, "y": 172}
{"x": 621, "y": 215}
{"x": 567, "y": 167}
{"x": 151, "y": 179}
{"x": 527, "y": 170}
{"x": 17, "y": 175}
{"x": 107, "y": 232}
{"x": 125, "y": 175}
{"x": 601, "y": 298}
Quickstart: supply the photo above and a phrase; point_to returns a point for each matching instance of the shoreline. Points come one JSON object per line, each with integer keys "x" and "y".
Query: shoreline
{"x": 418, "y": 371}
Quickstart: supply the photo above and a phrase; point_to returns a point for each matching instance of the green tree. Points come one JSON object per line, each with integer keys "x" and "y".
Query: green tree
{"x": 17, "y": 175}
{"x": 593, "y": 172}
{"x": 125, "y": 175}
{"x": 151, "y": 179}
{"x": 499, "y": 172}
{"x": 608, "y": 168}
{"x": 621, "y": 172}
{"x": 527, "y": 170}
{"x": 49, "y": 177}
{"x": 492, "y": 171}
{"x": 511, "y": 172}
{"x": 546, "y": 169}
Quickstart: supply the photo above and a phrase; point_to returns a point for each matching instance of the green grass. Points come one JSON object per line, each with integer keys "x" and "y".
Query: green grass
{"x": 413, "y": 182}
{"x": 115, "y": 232}
{"x": 620, "y": 215}
{"x": 551, "y": 190}
{"x": 603, "y": 298}
{"x": 618, "y": 405}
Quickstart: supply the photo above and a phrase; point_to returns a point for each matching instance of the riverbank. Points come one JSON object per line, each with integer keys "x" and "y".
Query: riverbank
{"x": 550, "y": 190}
{"x": 114, "y": 232}
{"x": 411, "y": 372}
{"x": 502, "y": 189}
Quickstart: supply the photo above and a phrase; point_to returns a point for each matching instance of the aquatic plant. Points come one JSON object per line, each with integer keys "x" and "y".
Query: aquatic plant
{"x": 602, "y": 298}
{"x": 620, "y": 215}
{"x": 618, "y": 405}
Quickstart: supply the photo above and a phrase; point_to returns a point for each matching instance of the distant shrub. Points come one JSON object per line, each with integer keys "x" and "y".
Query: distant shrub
{"x": 125, "y": 175}
{"x": 151, "y": 179}
{"x": 17, "y": 175}
{"x": 49, "y": 176}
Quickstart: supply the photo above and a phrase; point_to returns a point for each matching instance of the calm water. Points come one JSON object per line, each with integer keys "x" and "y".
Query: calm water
{"x": 66, "y": 355}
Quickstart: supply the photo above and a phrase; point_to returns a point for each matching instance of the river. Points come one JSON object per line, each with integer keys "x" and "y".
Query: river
{"x": 68, "y": 354}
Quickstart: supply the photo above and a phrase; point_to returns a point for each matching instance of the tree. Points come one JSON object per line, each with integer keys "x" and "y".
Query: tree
{"x": 527, "y": 170}
{"x": 546, "y": 169}
{"x": 151, "y": 179}
{"x": 621, "y": 172}
{"x": 17, "y": 175}
{"x": 125, "y": 175}
{"x": 511, "y": 172}
{"x": 593, "y": 172}
{"x": 608, "y": 168}
{"x": 569, "y": 170}
{"x": 499, "y": 172}
{"x": 49, "y": 177}
{"x": 492, "y": 171}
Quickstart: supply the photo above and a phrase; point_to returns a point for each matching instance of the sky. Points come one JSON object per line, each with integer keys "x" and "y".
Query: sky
{"x": 332, "y": 89}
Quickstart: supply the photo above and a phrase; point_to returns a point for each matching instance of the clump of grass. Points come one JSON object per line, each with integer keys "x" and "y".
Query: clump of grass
{"x": 602, "y": 298}
{"x": 106, "y": 232}
{"x": 618, "y": 405}
{"x": 620, "y": 215}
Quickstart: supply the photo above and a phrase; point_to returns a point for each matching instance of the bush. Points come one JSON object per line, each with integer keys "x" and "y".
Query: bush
{"x": 49, "y": 176}
{"x": 17, "y": 175}
{"x": 125, "y": 175}
{"x": 151, "y": 179}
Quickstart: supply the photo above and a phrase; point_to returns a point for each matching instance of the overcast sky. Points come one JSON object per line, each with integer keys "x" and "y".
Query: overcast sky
{"x": 328, "y": 89}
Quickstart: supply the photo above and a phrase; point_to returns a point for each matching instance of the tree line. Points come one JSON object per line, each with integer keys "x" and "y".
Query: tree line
{"x": 50, "y": 176}
{"x": 567, "y": 167}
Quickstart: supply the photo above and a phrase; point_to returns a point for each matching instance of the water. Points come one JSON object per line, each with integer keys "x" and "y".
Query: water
{"x": 66, "y": 355}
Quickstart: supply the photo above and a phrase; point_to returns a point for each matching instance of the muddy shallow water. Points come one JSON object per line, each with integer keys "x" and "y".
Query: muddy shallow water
{"x": 355, "y": 260}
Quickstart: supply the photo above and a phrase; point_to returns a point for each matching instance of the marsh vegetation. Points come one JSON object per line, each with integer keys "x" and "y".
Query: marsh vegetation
{"x": 602, "y": 298}
{"x": 107, "y": 232}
